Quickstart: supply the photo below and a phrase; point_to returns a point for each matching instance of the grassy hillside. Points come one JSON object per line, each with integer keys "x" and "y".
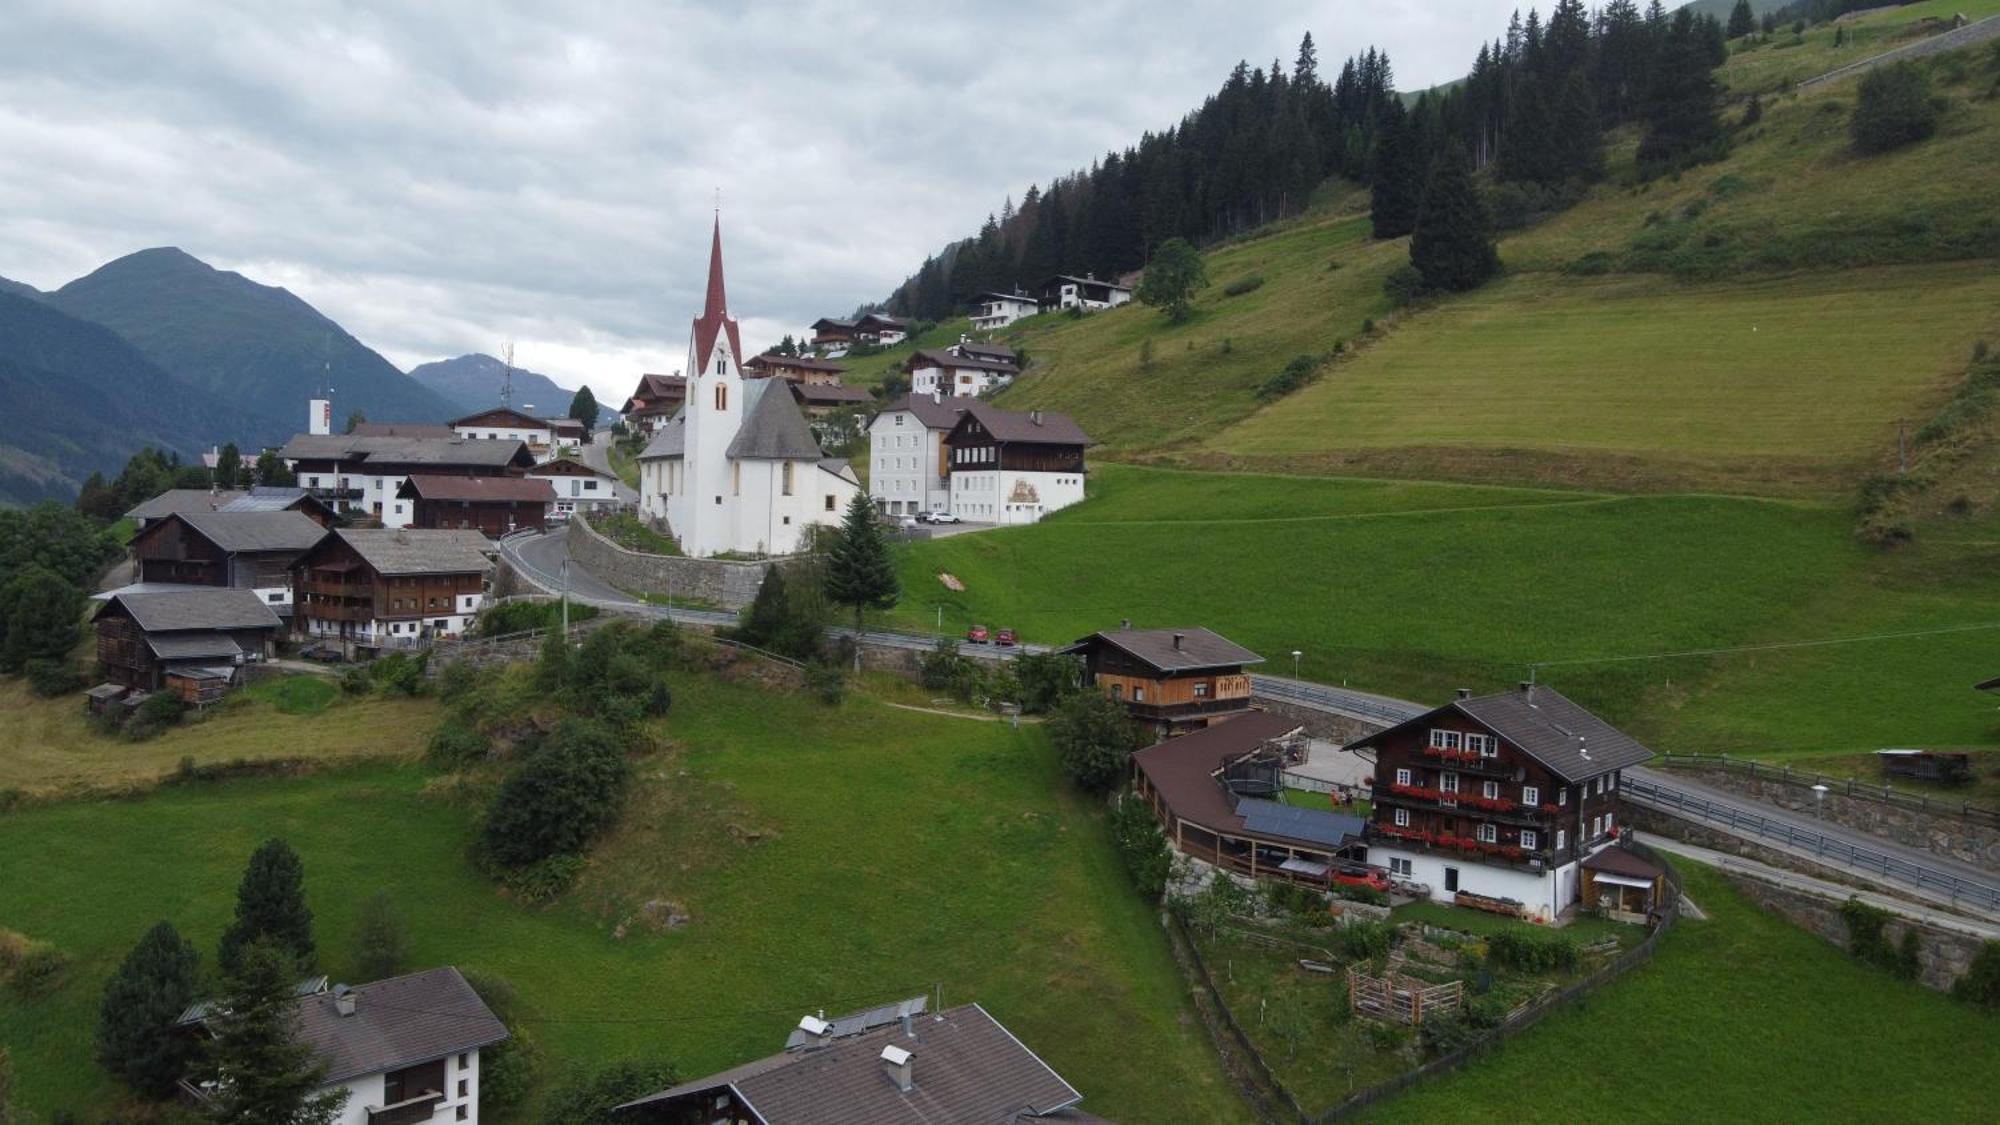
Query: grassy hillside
{"x": 881, "y": 854}
{"x": 868, "y": 371}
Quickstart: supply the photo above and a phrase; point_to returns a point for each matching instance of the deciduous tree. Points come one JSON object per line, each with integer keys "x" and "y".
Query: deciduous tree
{"x": 1094, "y": 739}
{"x": 1173, "y": 277}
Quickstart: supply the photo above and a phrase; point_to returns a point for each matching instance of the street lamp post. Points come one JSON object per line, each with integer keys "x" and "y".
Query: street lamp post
{"x": 1819, "y": 799}
{"x": 1295, "y": 663}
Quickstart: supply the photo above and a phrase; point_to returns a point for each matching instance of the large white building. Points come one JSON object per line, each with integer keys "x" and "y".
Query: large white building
{"x": 965, "y": 370}
{"x": 932, "y": 453}
{"x": 907, "y": 471}
{"x": 737, "y": 470}
{"x": 993, "y": 311}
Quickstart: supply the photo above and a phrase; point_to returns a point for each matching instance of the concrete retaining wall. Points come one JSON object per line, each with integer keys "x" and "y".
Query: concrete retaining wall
{"x": 1939, "y": 833}
{"x": 717, "y": 582}
{"x": 1942, "y": 956}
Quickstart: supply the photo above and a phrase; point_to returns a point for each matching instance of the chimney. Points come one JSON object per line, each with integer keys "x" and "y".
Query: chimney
{"x": 1125, "y": 623}
{"x": 1035, "y": 416}
{"x": 1528, "y": 689}
{"x": 343, "y": 1000}
{"x": 1178, "y": 638}
{"x": 1465, "y": 693}
{"x": 815, "y": 1026}
{"x": 897, "y": 1062}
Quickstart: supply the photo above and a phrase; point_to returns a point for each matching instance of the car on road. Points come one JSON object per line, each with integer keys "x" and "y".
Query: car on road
{"x": 1004, "y": 637}
{"x": 945, "y": 517}
{"x": 976, "y": 634}
{"x": 926, "y": 517}
{"x": 906, "y": 524}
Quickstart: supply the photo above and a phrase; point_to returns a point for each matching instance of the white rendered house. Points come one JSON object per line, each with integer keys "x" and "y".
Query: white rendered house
{"x": 737, "y": 470}
{"x": 907, "y": 469}
{"x": 404, "y": 1049}
{"x": 992, "y": 311}
{"x": 954, "y": 373}
{"x": 1012, "y": 467}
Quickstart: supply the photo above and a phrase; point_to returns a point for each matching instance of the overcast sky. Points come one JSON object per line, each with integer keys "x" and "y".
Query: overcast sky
{"x": 442, "y": 177}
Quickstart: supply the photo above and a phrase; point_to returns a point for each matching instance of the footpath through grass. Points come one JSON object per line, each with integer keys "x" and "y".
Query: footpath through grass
{"x": 881, "y": 854}
{"x": 1745, "y": 1017}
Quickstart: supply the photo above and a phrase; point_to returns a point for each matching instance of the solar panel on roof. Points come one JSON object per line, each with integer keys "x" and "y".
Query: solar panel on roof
{"x": 1315, "y": 825}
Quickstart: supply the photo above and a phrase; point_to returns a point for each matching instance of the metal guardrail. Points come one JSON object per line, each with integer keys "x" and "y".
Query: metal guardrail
{"x": 1842, "y": 786}
{"x": 1822, "y": 845}
{"x": 1334, "y": 699}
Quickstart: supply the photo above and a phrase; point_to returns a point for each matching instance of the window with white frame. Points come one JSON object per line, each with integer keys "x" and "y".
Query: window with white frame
{"x": 1607, "y": 822}
{"x": 1530, "y": 839}
{"x": 1488, "y": 834}
{"x": 1613, "y": 781}
{"x": 1486, "y": 744}
{"x": 1402, "y": 777}
{"x": 1402, "y": 818}
{"x": 1530, "y": 795}
{"x": 1445, "y": 739}
{"x": 1400, "y": 867}
{"x": 1596, "y": 827}
{"x": 1562, "y": 795}
{"x": 1448, "y": 783}
{"x": 1562, "y": 838}
{"x": 1490, "y": 790}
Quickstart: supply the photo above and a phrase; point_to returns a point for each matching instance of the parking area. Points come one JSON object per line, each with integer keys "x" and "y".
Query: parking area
{"x": 941, "y": 530}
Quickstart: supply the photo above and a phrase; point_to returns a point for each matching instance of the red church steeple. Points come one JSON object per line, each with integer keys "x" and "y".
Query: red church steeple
{"x": 714, "y": 311}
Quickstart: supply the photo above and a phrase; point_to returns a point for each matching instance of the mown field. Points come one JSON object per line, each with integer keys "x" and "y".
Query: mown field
{"x": 882, "y": 854}
{"x": 1744, "y": 1017}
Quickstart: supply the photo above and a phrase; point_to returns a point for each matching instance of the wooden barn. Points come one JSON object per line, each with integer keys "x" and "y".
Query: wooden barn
{"x": 493, "y": 506}
{"x": 144, "y": 637}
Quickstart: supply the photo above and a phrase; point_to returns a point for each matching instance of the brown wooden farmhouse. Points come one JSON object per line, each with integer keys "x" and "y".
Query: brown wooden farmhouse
{"x": 493, "y": 506}
{"x": 378, "y": 587}
{"x": 199, "y": 636}
{"x": 1170, "y": 679}
{"x": 1494, "y": 801}
{"x": 249, "y": 550}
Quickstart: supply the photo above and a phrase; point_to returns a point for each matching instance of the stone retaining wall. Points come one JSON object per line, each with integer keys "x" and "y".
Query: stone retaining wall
{"x": 1637, "y": 816}
{"x": 1321, "y": 724}
{"x": 1942, "y": 956}
{"x": 718, "y": 582}
{"x": 1938, "y": 833}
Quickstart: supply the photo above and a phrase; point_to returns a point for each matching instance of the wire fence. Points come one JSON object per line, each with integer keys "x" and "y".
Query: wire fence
{"x": 1278, "y": 1103}
{"x": 1823, "y": 846}
{"x": 1843, "y": 786}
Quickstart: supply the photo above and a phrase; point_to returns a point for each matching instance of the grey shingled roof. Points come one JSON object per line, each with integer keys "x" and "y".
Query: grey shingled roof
{"x": 773, "y": 428}
{"x": 371, "y": 450}
{"x": 265, "y": 498}
{"x": 256, "y": 531}
{"x": 176, "y": 500}
{"x": 528, "y": 490}
{"x": 1033, "y": 427}
{"x": 194, "y": 646}
{"x": 965, "y": 1068}
{"x": 396, "y": 1023}
{"x": 840, "y": 467}
{"x": 191, "y": 608}
{"x": 670, "y": 442}
{"x": 1556, "y": 732}
{"x": 413, "y": 550}
{"x": 938, "y": 357}
{"x": 1199, "y": 648}
{"x": 941, "y": 413}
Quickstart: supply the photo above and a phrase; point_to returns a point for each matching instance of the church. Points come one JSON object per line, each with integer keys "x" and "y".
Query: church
{"x": 736, "y": 470}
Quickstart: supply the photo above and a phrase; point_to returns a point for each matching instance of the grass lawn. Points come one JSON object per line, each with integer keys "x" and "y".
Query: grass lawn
{"x": 625, "y": 466}
{"x": 827, "y": 858}
{"x": 1773, "y": 385}
{"x": 1745, "y": 1017}
{"x": 633, "y": 534}
{"x": 1478, "y": 922}
{"x": 49, "y": 747}
{"x": 1786, "y": 58}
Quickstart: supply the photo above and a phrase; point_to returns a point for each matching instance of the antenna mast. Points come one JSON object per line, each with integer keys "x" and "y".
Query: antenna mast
{"x": 507, "y": 377}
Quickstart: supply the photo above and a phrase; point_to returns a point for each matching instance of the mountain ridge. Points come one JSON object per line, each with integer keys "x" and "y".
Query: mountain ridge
{"x": 472, "y": 383}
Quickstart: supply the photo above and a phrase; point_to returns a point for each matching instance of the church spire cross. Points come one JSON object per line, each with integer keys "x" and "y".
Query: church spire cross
{"x": 717, "y": 302}
{"x": 714, "y": 320}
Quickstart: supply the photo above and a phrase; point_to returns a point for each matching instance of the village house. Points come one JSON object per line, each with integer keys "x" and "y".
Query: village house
{"x": 654, "y": 401}
{"x": 834, "y": 338}
{"x": 259, "y": 498}
{"x": 737, "y": 470}
{"x": 191, "y": 639}
{"x": 993, "y": 311}
{"x": 954, "y": 372}
{"x": 1216, "y": 793}
{"x": 363, "y": 474}
{"x": 893, "y": 1065}
{"x": 820, "y": 399}
{"x": 544, "y": 437}
{"x": 381, "y": 587}
{"x": 806, "y": 369}
{"x": 1495, "y": 801}
{"x": 249, "y": 550}
{"x": 1065, "y": 291}
{"x": 577, "y": 487}
{"x": 1170, "y": 679}
{"x": 1013, "y": 467}
{"x": 907, "y": 467}
{"x": 492, "y": 506}
{"x": 881, "y": 329}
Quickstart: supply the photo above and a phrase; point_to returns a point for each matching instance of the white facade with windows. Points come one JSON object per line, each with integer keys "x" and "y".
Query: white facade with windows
{"x": 998, "y": 310}
{"x": 1010, "y": 496}
{"x": 906, "y": 469}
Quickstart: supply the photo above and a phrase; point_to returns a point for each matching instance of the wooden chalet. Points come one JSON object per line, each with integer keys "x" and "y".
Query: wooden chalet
{"x": 820, "y": 399}
{"x": 964, "y": 373}
{"x": 1216, "y": 793}
{"x": 502, "y": 423}
{"x": 1624, "y": 885}
{"x": 654, "y": 401}
{"x": 248, "y": 550}
{"x": 492, "y": 506}
{"x": 361, "y": 475}
{"x": 1495, "y": 800}
{"x": 805, "y": 369}
{"x": 1171, "y": 679}
{"x": 197, "y": 637}
{"x": 881, "y": 328}
{"x": 834, "y": 335}
{"x": 1066, "y": 291}
{"x": 379, "y": 587}
{"x": 175, "y": 500}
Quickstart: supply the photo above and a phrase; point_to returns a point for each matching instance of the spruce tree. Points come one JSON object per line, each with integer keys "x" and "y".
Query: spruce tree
{"x": 859, "y": 571}
{"x": 762, "y": 622}
{"x": 273, "y": 471}
{"x": 267, "y": 1076}
{"x": 583, "y": 408}
{"x": 136, "y": 1037}
{"x": 228, "y": 466}
{"x": 1579, "y": 139}
{"x": 270, "y": 905}
{"x": 1453, "y": 244}
{"x": 1528, "y": 154}
{"x": 1397, "y": 189}
{"x": 1682, "y": 99}
{"x": 1742, "y": 21}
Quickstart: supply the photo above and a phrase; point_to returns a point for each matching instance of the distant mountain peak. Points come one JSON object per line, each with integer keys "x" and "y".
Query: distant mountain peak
{"x": 473, "y": 382}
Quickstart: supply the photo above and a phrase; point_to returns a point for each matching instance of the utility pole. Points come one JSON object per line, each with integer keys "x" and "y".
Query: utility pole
{"x": 507, "y": 376}
{"x": 565, "y": 600}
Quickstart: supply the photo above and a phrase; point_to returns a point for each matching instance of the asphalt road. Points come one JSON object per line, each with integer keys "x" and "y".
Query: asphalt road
{"x": 597, "y": 455}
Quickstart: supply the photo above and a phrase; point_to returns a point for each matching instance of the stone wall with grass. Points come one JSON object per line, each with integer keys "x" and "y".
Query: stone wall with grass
{"x": 1940, "y": 832}
{"x": 723, "y": 583}
{"x": 1942, "y": 955}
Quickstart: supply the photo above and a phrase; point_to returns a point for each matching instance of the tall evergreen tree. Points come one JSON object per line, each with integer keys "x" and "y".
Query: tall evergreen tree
{"x": 583, "y": 408}
{"x": 1398, "y": 186}
{"x": 1742, "y": 21}
{"x": 1453, "y": 245}
{"x": 270, "y": 906}
{"x": 273, "y": 471}
{"x": 1529, "y": 154}
{"x": 1681, "y": 110}
{"x": 859, "y": 571}
{"x": 268, "y": 1077}
{"x": 137, "y": 1040}
{"x": 228, "y": 466}
{"x": 1579, "y": 136}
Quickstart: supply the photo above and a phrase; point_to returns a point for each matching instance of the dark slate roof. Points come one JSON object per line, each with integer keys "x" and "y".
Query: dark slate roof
{"x": 176, "y": 500}
{"x": 414, "y": 550}
{"x": 772, "y": 429}
{"x": 396, "y": 1023}
{"x": 1062, "y": 277}
{"x": 1185, "y": 770}
{"x": 404, "y": 450}
{"x": 671, "y": 441}
{"x": 965, "y": 1068}
{"x": 268, "y": 498}
{"x": 938, "y": 357}
{"x": 801, "y": 362}
{"x": 821, "y": 394}
{"x": 1620, "y": 860}
{"x": 1031, "y": 427}
{"x": 562, "y": 466}
{"x": 404, "y": 429}
{"x": 1199, "y": 648}
{"x": 191, "y": 608}
{"x": 507, "y": 417}
{"x": 935, "y": 413}
{"x": 840, "y": 467}
{"x": 996, "y": 295}
{"x": 1293, "y": 822}
{"x": 525, "y": 490}
{"x": 194, "y": 646}
{"x": 1545, "y": 725}
{"x": 280, "y": 530}
{"x": 1000, "y": 352}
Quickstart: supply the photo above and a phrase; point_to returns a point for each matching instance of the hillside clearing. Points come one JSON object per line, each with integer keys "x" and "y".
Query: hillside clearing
{"x": 1773, "y": 385}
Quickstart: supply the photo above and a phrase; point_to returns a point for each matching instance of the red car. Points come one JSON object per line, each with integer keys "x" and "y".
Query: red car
{"x": 1374, "y": 878}
{"x": 976, "y": 634}
{"x": 1004, "y": 637}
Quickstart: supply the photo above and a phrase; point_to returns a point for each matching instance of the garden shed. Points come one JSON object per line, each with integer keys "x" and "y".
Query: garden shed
{"x": 1625, "y": 885}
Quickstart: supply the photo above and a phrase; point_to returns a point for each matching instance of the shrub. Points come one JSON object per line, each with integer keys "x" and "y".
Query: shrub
{"x": 1143, "y": 845}
{"x": 1387, "y": 1037}
{"x": 1895, "y": 108}
{"x": 506, "y": 618}
{"x": 507, "y": 1069}
{"x": 38, "y": 972}
{"x": 826, "y": 681}
{"x": 1532, "y": 951}
{"x": 1403, "y": 285}
{"x": 1365, "y": 940}
{"x": 458, "y": 680}
{"x": 1094, "y": 740}
{"x": 1367, "y": 324}
{"x": 1045, "y": 679}
{"x": 400, "y": 673}
{"x": 1447, "y": 1033}
{"x": 48, "y": 677}
{"x": 587, "y": 1097}
{"x": 355, "y": 681}
{"x": 943, "y": 668}
{"x": 1296, "y": 374}
{"x": 1243, "y": 285}
{"x": 1981, "y": 983}
{"x": 564, "y": 792}
{"x": 381, "y": 946}
{"x": 545, "y": 880}
{"x": 455, "y": 744}
{"x": 1361, "y": 894}
{"x": 156, "y": 714}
